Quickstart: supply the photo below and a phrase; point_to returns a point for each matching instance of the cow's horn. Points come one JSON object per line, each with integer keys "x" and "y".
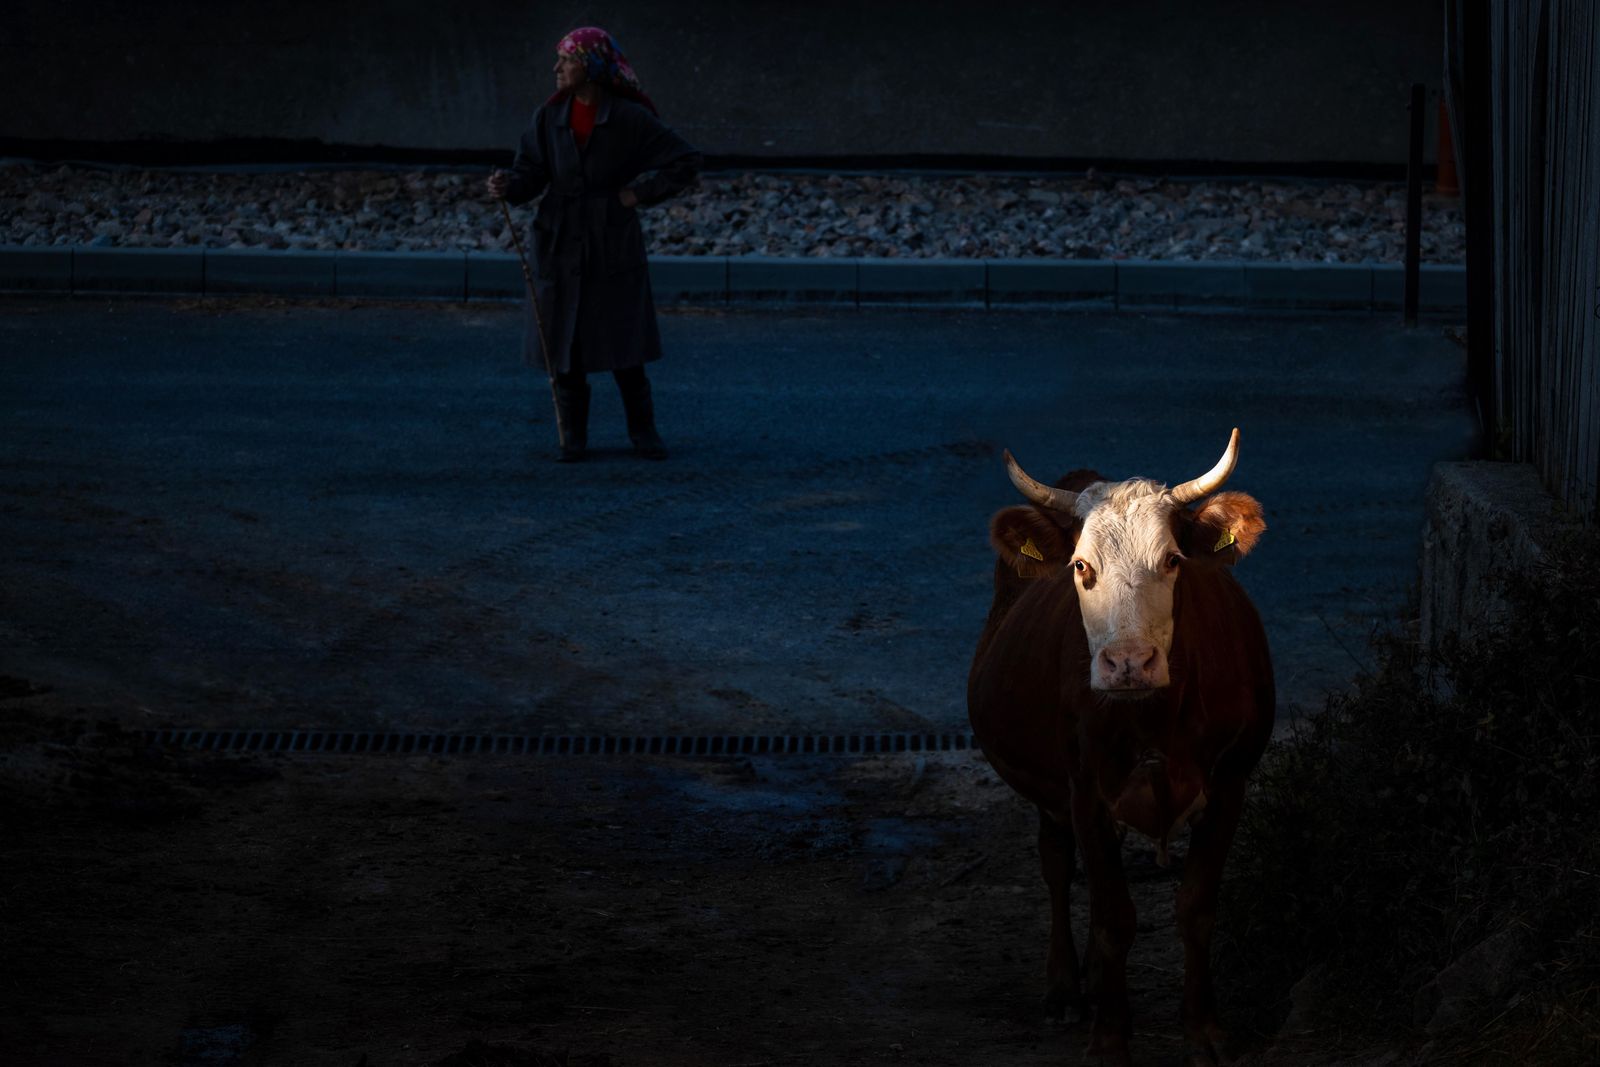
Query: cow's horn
{"x": 1046, "y": 496}
{"x": 1211, "y": 480}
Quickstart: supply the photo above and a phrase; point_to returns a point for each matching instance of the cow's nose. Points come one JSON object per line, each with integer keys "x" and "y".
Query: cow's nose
{"x": 1133, "y": 665}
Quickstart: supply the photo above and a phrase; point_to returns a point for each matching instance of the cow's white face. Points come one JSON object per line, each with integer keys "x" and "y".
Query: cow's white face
{"x": 1125, "y": 566}
{"x": 1126, "y": 559}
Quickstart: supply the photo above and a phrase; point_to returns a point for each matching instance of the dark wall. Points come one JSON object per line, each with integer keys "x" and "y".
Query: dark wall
{"x": 1254, "y": 81}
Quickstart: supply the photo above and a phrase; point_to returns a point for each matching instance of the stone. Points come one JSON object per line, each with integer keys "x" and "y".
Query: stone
{"x": 1477, "y": 980}
{"x": 740, "y": 213}
{"x": 1308, "y": 999}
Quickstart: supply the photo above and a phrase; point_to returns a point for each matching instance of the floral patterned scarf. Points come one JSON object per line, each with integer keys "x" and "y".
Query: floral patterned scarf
{"x": 606, "y": 65}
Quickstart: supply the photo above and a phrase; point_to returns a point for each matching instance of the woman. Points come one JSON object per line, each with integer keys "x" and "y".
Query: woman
{"x": 588, "y": 146}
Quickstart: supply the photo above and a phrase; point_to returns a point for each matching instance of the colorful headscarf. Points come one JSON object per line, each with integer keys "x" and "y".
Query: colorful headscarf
{"x": 603, "y": 60}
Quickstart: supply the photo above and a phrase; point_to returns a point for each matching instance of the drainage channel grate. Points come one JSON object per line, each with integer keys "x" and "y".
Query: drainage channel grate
{"x": 524, "y": 745}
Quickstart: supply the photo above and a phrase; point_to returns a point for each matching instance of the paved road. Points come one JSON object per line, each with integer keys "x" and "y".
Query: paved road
{"x": 235, "y": 515}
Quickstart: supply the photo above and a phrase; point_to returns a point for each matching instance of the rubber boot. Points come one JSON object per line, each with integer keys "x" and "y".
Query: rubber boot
{"x": 572, "y": 402}
{"x": 641, "y": 414}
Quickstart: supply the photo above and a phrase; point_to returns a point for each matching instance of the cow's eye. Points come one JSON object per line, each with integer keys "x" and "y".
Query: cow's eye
{"x": 1173, "y": 561}
{"x": 1080, "y": 566}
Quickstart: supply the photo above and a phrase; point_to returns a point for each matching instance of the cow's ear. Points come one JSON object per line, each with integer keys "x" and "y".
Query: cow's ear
{"x": 1030, "y": 542}
{"x": 1227, "y": 524}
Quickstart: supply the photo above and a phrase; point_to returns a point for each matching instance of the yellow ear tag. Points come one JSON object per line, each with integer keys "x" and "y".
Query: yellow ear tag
{"x": 1029, "y": 549}
{"x": 1224, "y": 541}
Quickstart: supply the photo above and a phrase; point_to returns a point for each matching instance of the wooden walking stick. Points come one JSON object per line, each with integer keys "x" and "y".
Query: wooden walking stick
{"x": 538, "y": 323}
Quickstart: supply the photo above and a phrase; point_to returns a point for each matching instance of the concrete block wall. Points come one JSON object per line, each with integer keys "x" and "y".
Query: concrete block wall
{"x": 1484, "y": 522}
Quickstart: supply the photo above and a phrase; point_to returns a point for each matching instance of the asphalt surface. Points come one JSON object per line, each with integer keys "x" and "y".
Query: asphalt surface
{"x": 289, "y": 515}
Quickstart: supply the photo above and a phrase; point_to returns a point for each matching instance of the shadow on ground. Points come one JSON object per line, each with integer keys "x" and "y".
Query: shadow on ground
{"x": 193, "y": 908}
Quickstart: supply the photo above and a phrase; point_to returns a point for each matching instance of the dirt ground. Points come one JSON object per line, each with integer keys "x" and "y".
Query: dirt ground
{"x": 194, "y": 909}
{"x": 333, "y": 518}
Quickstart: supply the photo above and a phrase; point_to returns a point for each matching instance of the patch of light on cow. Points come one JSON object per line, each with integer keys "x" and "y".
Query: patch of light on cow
{"x": 1125, "y": 594}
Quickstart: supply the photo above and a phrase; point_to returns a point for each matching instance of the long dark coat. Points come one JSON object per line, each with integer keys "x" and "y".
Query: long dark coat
{"x": 592, "y": 281}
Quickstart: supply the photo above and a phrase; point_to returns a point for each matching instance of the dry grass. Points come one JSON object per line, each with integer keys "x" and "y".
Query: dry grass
{"x": 1450, "y": 797}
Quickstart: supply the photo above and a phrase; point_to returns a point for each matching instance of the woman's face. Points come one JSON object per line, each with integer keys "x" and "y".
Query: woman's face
{"x": 570, "y": 73}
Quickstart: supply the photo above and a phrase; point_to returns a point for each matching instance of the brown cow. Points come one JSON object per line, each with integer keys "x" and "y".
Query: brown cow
{"x": 1123, "y": 681}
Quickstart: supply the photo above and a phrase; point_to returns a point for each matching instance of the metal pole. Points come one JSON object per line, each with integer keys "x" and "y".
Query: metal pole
{"x": 538, "y": 322}
{"x": 1414, "y": 205}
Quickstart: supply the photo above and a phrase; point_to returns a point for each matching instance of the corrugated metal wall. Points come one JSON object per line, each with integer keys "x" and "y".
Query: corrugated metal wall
{"x": 1544, "y": 63}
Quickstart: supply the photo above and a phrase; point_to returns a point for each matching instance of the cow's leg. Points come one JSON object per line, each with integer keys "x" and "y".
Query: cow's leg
{"x": 1058, "y": 857}
{"x": 1111, "y": 926}
{"x": 1197, "y": 909}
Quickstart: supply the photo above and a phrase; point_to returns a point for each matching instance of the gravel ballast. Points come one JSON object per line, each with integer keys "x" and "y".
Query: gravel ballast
{"x": 786, "y": 214}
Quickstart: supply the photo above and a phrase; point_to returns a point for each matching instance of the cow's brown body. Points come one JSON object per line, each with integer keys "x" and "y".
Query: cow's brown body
{"x": 1151, "y": 762}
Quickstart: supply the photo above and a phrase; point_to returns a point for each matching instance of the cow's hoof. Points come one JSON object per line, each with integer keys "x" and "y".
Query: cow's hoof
{"x": 1107, "y": 1047}
{"x": 1205, "y": 1047}
{"x": 1059, "y": 998}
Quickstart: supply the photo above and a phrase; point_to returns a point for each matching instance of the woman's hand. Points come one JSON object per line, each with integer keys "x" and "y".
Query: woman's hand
{"x": 629, "y": 198}
{"x": 499, "y": 184}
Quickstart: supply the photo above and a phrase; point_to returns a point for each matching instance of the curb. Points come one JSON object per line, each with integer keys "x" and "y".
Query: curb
{"x": 746, "y": 281}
